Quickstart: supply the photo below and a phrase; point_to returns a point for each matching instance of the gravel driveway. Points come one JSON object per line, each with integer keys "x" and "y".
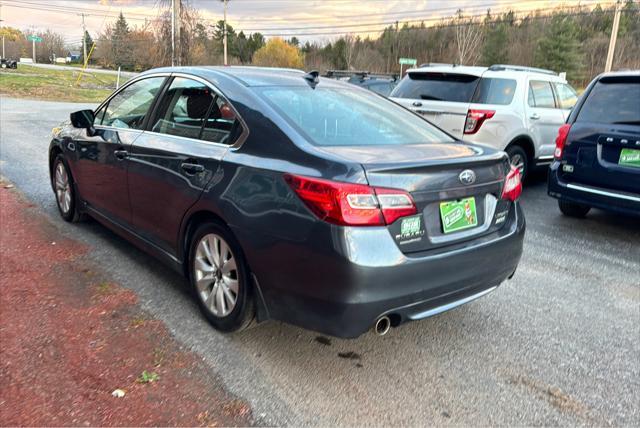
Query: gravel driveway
{"x": 558, "y": 344}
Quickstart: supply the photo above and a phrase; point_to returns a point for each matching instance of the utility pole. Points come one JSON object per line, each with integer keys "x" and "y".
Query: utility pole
{"x": 224, "y": 33}
{"x": 2, "y": 34}
{"x": 175, "y": 32}
{"x": 84, "y": 42}
{"x": 33, "y": 41}
{"x": 614, "y": 37}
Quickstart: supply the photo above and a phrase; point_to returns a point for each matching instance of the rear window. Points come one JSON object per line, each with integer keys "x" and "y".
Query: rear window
{"x": 437, "y": 86}
{"x": 613, "y": 100}
{"x": 349, "y": 117}
{"x": 495, "y": 91}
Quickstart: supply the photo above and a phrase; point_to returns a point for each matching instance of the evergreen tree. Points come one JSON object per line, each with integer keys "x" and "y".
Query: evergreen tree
{"x": 89, "y": 42}
{"x": 494, "y": 49}
{"x": 559, "y": 49}
{"x": 121, "y": 44}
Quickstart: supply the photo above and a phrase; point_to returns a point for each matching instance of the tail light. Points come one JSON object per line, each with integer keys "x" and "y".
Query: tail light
{"x": 512, "y": 185}
{"x": 475, "y": 119}
{"x": 561, "y": 139}
{"x": 350, "y": 204}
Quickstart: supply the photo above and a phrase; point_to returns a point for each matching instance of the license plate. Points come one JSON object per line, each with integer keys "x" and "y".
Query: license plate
{"x": 630, "y": 157}
{"x": 458, "y": 215}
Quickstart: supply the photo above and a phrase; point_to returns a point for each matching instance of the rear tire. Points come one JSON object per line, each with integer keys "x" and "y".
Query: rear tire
{"x": 220, "y": 278}
{"x": 573, "y": 210}
{"x": 519, "y": 159}
{"x": 64, "y": 189}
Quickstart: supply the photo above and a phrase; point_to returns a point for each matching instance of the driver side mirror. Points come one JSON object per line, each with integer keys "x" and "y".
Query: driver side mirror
{"x": 83, "y": 119}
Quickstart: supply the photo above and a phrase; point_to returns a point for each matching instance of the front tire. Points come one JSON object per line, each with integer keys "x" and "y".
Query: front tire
{"x": 220, "y": 278}
{"x": 65, "y": 191}
{"x": 573, "y": 210}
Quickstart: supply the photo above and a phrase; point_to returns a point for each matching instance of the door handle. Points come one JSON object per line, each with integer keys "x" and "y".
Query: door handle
{"x": 417, "y": 104}
{"x": 121, "y": 154}
{"x": 192, "y": 168}
{"x": 535, "y": 116}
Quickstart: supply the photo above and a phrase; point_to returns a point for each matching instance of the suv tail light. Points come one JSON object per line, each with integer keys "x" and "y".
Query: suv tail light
{"x": 350, "y": 204}
{"x": 512, "y": 185}
{"x": 561, "y": 139}
{"x": 475, "y": 119}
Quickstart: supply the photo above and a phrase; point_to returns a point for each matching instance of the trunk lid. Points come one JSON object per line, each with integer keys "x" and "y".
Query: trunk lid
{"x": 431, "y": 173}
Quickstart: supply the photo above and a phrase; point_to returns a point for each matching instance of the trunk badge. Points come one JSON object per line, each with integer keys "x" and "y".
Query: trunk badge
{"x": 467, "y": 177}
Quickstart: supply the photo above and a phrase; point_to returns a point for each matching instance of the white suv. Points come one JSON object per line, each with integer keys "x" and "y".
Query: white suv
{"x": 511, "y": 108}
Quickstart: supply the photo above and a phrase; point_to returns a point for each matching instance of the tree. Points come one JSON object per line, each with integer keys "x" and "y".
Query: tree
{"x": 468, "y": 38}
{"x": 218, "y": 36}
{"x": 89, "y": 41}
{"x": 494, "y": 48}
{"x": 559, "y": 49}
{"x": 121, "y": 44}
{"x": 278, "y": 53}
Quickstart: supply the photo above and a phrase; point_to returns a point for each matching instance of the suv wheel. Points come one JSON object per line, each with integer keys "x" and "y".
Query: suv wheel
{"x": 220, "y": 278}
{"x": 519, "y": 159}
{"x": 573, "y": 210}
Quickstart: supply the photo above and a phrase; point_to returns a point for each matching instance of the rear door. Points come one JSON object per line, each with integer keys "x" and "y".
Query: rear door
{"x": 566, "y": 97}
{"x": 442, "y": 98}
{"x": 603, "y": 145}
{"x": 543, "y": 116}
{"x": 174, "y": 161}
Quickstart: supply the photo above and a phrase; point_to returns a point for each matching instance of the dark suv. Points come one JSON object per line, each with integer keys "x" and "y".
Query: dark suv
{"x": 597, "y": 155}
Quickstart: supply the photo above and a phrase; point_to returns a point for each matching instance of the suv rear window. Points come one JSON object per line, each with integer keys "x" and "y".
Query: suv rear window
{"x": 613, "y": 100}
{"x": 493, "y": 90}
{"x": 437, "y": 86}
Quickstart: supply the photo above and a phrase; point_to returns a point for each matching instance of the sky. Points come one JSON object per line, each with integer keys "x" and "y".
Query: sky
{"x": 312, "y": 20}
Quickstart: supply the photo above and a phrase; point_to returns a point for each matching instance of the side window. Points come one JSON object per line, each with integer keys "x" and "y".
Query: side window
{"x": 129, "y": 107}
{"x": 184, "y": 108}
{"x": 493, "y": 90}
{"x": 567, "y": 96}
{"x": 222, "y": 125}
{"x": 541, "y": 94}
{"x": 99, "y": 115}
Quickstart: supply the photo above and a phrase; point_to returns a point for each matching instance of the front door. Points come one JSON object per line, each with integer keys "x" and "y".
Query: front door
{"x": 103, "y": 157}
{"x": 543, "y": 117}
{"x": 177, "y": 158}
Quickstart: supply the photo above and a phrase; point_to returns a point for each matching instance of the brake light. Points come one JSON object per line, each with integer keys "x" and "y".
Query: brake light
{"x": 512, "y": 185}
{"x": 561, "y": 139}
{"x": 351, "y": 204}
{"x": 475, "y": 119}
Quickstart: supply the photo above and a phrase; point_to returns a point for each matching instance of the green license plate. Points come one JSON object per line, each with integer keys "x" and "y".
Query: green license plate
{"x": 630, "y": 157}
{"x": 458, "y": 215}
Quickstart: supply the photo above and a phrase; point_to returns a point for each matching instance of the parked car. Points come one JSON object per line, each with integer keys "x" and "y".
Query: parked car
{"x": 511, "y": 108}
{"x": 597, "y": 155}
{"x": 284, "y": 196}
{"x": 8, "y": 63}
{"x": 381, "y": 84}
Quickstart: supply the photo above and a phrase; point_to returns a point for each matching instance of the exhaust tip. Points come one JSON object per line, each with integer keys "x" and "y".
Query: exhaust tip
{"x": 382, "y": 326}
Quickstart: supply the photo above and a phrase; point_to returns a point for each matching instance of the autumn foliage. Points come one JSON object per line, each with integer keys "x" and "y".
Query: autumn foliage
{"x": 278, "y": 53}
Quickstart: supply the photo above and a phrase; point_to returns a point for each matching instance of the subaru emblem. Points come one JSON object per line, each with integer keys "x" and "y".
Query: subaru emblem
{"x": 467, "y": 177}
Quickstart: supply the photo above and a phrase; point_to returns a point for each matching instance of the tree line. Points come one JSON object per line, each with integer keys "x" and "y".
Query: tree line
{"x": 573, "y": 40}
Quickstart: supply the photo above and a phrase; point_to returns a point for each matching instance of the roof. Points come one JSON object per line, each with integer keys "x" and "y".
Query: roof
{"x": 479, "y": 71}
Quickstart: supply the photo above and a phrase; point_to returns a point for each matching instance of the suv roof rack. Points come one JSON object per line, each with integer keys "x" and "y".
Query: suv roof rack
{"x": 502, "y": 67}
{"x": 437, "y": 64}
{"x": 359, "y": 73}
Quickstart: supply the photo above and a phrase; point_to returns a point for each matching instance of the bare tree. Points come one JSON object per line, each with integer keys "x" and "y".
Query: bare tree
{"x": 468, "y": 39}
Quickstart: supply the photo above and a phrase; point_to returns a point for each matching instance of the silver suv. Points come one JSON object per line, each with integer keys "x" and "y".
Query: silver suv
{"x": 511, "y": 108}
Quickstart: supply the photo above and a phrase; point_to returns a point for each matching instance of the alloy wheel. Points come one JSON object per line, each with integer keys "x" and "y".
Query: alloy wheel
{"x": 216, "y": 275}
{"x": 63, "y": 188}
{"x": 517, "y": 161}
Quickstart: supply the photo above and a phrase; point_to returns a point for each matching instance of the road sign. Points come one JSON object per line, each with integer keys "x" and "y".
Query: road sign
{"x": 35, "y": 39}
{"x": 408, "y": 61}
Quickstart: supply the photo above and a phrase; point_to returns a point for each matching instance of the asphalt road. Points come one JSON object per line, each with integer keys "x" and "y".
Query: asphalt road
{"x": 558, "y": 344}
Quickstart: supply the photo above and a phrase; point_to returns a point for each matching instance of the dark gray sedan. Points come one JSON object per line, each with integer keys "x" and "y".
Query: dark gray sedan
{"x": 284, "y": 196}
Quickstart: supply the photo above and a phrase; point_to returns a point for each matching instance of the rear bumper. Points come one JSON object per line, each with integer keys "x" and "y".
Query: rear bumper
{"x": 598, "y": 197}
{"x": 343, "y": 291}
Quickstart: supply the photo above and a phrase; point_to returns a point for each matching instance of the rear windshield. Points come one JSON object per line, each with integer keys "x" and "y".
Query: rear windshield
{"x": 613, "y": 101}
{"x": 350, "y": 117}
{"x": 437, "y": 86}
{"x": 493, "y": 90}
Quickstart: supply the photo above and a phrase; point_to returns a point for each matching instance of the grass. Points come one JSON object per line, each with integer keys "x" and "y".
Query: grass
{"x": 59, "y": 85}
{"x": 148, "y": 377}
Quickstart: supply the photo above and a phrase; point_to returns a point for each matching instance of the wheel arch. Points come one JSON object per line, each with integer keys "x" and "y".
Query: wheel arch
{"x": 54, "y": 151}
{"x": 526, "y": 142}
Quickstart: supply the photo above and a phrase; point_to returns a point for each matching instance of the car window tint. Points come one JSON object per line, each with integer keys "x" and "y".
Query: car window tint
{"x": 541, "y": 94}
{"x": 183, "y": 109}
{"x": 493, "y": 90}
{"x": 222, "y": 125}
{"x": 437, "y": 86}
{"x": 130, "y": 106}
{"x": 99, "y": 115}
{"x": 613, "y": 101}
{"x": 343, "y": 117}
{"x": 567, "y": 96}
